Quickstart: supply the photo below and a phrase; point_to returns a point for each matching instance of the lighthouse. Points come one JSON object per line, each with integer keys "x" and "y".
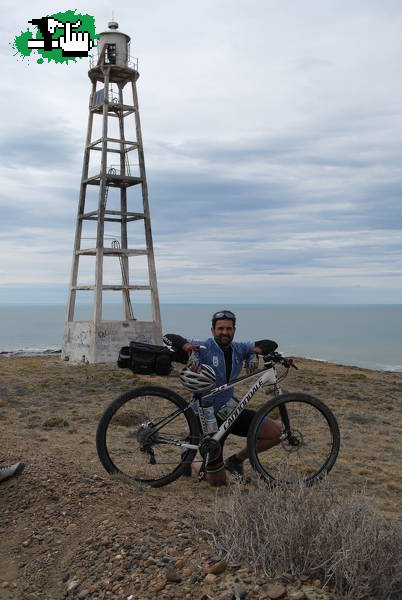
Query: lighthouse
{"x": 113, "y": 248}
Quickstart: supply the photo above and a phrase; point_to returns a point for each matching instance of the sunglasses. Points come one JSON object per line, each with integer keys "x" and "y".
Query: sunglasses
{"x": 224, "y": 314}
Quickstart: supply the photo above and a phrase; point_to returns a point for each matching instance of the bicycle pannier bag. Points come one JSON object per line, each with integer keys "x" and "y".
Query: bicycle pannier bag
{"x": 123, "y": 360}
{"x": 148, "y": 359}
{"x": 145, "y": 359}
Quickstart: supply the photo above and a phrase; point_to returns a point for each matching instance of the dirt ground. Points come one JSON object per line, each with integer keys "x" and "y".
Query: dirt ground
{"x": 68, "y": 529}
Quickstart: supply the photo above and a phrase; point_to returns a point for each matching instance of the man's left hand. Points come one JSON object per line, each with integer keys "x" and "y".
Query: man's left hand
{"x": 252, "y": 364}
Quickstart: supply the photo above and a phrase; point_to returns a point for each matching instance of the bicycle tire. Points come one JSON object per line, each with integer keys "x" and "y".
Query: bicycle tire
{"x": 121, "y": 430}
{"x": 307, "y": 452}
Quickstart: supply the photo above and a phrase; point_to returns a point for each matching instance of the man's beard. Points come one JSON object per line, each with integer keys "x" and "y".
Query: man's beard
{"x": 224, "y": 340}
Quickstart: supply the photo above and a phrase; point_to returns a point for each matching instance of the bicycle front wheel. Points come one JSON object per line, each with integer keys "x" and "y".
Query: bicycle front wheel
{"x": 309, "y": 440}
{"x": 139, "y": 435}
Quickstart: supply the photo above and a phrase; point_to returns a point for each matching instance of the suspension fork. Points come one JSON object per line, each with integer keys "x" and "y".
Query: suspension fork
{"x": 282, "y": 410}
{"x": 287, "y": 432}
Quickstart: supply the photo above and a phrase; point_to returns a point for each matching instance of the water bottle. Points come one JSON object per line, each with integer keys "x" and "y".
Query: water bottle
{"x": 210, "y": 419}
{"x": 227, "y": 408}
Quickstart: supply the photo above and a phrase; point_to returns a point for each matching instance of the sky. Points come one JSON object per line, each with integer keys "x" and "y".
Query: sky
{"x": 272, "y": 134}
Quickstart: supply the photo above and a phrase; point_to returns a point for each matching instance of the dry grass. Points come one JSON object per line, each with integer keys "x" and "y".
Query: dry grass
{"x": 319, "y": 531}
{"x": 55, "y": 422}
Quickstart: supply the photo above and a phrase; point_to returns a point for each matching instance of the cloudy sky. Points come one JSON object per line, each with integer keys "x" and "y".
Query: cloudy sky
{"x": 272, "y": 133}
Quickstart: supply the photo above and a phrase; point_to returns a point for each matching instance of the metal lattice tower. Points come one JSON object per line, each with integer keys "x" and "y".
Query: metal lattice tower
{"x": 99, "y": 340}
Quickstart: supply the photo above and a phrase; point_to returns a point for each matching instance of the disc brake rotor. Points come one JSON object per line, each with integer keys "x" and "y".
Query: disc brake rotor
{"x": 292, "y": 441}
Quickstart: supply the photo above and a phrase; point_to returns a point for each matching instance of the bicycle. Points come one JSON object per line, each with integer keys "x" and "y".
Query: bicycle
{"x": 148, "y": 434}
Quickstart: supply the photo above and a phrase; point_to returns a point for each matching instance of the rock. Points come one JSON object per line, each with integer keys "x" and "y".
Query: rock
{"x": 216, "y": 568}
{"x": 275, "y": 590}
{"x": 71, "y": 585}
{"x": 239, "y": 592}
{"x": 195, "y": 578}
{"x": 317, "y": 583}
{"x": 179, "y": 564}
{"x": 83, "y": 594}
{"x": 173, "y": 551}
{"x": 187, "y": 572}
{"x": 159, "y": 585}
{"x": 172, "y": 575}
{"x": 210, "y": 578}
{"x": 298, "y": 595}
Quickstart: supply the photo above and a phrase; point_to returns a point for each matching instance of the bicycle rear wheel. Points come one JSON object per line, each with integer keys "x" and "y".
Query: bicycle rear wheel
{"x": 309, "y": 441}
{"x": 139, "y": 435}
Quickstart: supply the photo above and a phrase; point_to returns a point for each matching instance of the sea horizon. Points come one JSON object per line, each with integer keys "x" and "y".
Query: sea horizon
{"x": 362, "y": 335}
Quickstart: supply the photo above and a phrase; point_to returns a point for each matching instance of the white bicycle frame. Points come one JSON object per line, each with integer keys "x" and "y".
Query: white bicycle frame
{"x": 267, "y": 375}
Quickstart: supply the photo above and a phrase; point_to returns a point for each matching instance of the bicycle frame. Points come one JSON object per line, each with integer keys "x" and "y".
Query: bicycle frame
{"x": 268, "y": 375}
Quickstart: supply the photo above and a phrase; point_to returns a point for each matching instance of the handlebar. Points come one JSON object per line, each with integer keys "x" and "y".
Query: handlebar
{"x": 277, "y": 357}
{"x": 272, "y": 357}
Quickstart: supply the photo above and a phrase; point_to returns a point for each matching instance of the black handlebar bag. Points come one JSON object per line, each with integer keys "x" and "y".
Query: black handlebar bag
{"x": 147, "y": 359}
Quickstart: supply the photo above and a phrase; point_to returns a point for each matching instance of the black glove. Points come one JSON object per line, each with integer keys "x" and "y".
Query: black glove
{"x": 267, "y": 346}
{"x": 176, "y": 342}
{"x": 172, "y": 340}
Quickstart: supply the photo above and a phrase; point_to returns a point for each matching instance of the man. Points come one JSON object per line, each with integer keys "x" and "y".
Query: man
{"x": 226, "y": 358}
{"x": 8, "y": 472}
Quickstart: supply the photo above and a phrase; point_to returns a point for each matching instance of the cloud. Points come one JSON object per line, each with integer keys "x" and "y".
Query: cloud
{"x": 272, "y": 145}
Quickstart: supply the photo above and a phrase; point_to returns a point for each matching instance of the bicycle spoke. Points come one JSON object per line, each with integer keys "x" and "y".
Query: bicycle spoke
{"x": 305, "y": 448}
{"x": 127, "y": 441}
{"x": 140, "y": 438}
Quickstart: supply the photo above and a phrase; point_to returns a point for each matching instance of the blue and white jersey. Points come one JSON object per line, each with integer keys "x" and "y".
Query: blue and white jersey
{"x": 214, "y": 357}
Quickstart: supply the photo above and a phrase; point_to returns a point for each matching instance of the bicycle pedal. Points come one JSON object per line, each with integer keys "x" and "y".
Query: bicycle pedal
{"x": 203, "y": 471}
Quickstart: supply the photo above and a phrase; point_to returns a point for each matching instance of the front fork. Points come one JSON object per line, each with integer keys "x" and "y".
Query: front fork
{"x": 286, "y": 432}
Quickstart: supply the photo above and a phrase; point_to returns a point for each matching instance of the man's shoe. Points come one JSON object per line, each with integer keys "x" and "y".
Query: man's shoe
{"x": 187, "y": 471}
{"x": 235, "y": 467}
{"x": 8, "y": 472}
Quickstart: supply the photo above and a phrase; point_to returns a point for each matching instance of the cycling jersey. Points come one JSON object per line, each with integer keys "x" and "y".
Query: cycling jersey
{"x": 214, "y": 357}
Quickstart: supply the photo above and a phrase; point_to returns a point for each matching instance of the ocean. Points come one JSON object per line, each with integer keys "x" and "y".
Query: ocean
{"x": 368, "y": 336}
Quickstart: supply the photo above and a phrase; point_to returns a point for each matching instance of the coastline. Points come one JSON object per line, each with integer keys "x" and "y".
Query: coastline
{"x": 367, "y": 336}
{"x": 46, "y": 351}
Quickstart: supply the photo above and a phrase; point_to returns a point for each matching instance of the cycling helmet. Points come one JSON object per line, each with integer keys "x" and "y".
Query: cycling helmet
{"x": 198, "y": 382}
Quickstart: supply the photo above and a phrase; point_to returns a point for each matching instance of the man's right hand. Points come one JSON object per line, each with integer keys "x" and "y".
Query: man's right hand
{"x": 189, "y": 347}
{"x": 193, "y": 362}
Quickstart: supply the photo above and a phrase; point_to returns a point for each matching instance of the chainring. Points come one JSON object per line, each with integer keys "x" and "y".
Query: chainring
{"x": 210, "y": 447}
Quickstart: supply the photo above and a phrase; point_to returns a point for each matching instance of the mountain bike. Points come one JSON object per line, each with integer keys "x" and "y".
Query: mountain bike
{"x": 150, "y": 433}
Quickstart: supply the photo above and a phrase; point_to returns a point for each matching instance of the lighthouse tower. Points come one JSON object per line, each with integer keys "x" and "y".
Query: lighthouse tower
{"x": 113, "y": 250}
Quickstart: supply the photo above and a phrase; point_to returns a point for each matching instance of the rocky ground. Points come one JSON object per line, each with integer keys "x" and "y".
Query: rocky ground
{"x": 68, "y": 530}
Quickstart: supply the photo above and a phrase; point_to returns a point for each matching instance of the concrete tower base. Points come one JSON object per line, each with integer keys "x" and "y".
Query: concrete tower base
{"x": 85, "y": 341}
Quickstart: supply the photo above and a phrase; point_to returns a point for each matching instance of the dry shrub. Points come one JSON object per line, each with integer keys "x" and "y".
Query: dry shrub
{"x": 317, "y": 531}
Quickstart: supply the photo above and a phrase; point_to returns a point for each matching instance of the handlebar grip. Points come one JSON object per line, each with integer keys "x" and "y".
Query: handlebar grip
{"x": 288, "y": 362}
